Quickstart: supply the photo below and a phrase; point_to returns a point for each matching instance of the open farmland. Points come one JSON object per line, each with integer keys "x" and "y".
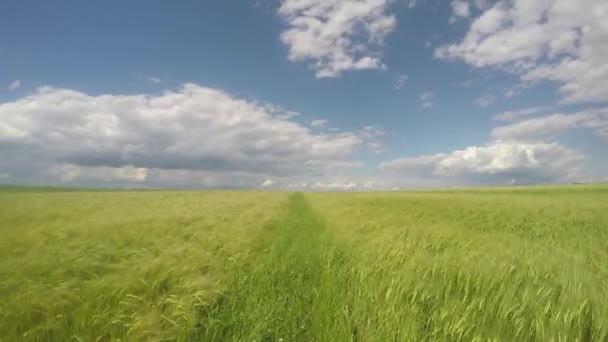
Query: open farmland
{"x": 511, "y": 264}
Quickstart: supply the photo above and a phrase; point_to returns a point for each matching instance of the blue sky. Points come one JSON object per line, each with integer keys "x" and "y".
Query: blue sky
{"x": 303, "y": 94}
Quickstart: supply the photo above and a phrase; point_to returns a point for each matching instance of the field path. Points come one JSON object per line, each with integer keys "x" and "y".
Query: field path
{"x": 289, "y": 287}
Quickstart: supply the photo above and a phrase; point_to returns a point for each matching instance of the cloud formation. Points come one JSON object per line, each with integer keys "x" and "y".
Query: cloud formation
{"x": 513, "y": 115}
{"x": 563, "y": 41}
{"x": 498, "y": 163}
{"x": 549, "y": 127}
{"x": 336, "y": 36}
{"x": 524, "y": 152}
{"x": 318, "y": 123}
{"x": 267, "y": 183}
{"x": 196, "y": 134}
{"x": 460, "y": 9}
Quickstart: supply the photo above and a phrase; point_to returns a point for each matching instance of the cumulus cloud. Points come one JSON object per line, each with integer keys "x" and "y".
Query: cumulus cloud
{"x": 14, "y": 85}
{"x": 195, "y": 135}
{"x": 524, "y": 152}
{"x": 497, "y": 163}
{"x": 336, "y": 36}
{"x": 563, "y": 41}
{"x": 267, "y": 183}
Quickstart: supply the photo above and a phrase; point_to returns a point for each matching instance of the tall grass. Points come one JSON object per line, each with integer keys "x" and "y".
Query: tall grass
{"x": 499, "y": 265}
{"x": 509, "y": 264}
{"x": 115, "y": 265}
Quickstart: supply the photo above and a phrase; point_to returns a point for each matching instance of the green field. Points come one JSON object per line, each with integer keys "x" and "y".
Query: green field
{"x": 514, "y": 264}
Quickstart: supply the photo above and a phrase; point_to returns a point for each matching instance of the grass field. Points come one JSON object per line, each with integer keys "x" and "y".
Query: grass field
{"x": 513, "y": 264}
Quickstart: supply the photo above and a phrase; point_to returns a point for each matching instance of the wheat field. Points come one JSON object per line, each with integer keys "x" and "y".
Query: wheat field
{"x": 509, "y": 264}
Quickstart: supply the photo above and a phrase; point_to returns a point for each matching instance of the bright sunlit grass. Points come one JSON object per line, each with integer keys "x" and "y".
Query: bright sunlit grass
{"x": 505, "y": 264}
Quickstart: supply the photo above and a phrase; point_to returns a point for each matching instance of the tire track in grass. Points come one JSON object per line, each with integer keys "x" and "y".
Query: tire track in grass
{"x": 293, "y": 290}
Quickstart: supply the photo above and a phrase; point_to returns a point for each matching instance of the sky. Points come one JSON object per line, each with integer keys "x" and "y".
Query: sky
{"x": 303, "y": 94}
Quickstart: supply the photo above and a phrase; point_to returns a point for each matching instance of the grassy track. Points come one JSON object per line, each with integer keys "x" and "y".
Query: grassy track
{"x": 293, "y": 290}
{"x": 505, "y": 265}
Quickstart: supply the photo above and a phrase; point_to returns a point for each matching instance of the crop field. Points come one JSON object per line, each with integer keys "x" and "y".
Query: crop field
{"x": 510, "y": 264}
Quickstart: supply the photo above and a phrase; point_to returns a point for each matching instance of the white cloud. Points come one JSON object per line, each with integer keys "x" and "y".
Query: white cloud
{"x": 497, "y": 163}
{"x": 340, "y": 183}
{"x": 194, "y": 136}
{"x": 401, "y": 80}
{"x": 334, "y": 186}
{"x": 14, "y": 85}
{"x": 318, "y": 123}
{"x": 525, "y": 152}
{"x": 513, "y": 115}
{"x": 336, "y": 36}
{"x": 510, "y": 93}
{"x": 420, "y": 166}
{"x": 482, "y": 4}
{"x": 154, "y": 80}
{"x": 69, "y": 172}
{"x": 267, "y": 183}
{"x": 371, "y": 135}
{"x": 426, "y": 96}
{"x": 460, "y": 9}
{"x": 563, "y": 41}
{"x": 485, "y": 100}
{"x": 548, "y": 127}
{"x": 426, "y": 99}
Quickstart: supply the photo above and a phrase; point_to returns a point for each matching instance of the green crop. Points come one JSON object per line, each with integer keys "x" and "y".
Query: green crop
{"x": 512, "y": 264}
